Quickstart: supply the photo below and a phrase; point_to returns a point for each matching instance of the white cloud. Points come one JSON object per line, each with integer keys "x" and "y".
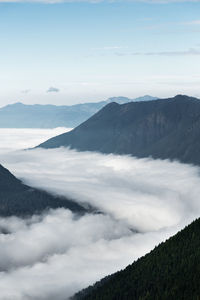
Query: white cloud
{"x": 26, "y": 91}
{"x": 30, "y": 139}
{"x": 52, "y": 89}
{"x": 135, "y": 191}
{"x": 194, "y": 22}
{"x": 57, "y": 255}
{"x": 54, "y": 255}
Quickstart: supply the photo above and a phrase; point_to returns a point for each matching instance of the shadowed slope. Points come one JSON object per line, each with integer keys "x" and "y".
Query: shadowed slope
{"x": 21, "y": 200}
{"x": 168, "y": 128}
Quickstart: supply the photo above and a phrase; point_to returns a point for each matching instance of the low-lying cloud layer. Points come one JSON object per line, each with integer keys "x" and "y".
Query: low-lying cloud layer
{"x": 52, "y": 256}
{"x": 19, "y": 138}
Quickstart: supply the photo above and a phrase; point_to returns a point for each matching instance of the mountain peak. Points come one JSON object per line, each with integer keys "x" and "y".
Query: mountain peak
{"x": 17, "y": 103}
{"x": 165, "y": 128}
{"x": 119, "y": 100}
{"x": 145, "y": 98}
{"x": 184, "y": 97}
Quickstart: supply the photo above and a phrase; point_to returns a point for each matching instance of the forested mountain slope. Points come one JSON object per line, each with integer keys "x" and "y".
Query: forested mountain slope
{"x": 170, "y": 271}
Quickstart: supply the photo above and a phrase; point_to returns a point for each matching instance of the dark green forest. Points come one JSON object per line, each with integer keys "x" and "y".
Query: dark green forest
{"x": 169, "y": 272}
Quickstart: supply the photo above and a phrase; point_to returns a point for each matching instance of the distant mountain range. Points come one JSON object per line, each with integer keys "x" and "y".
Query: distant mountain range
{"x": 168, "y": 128}
{"x": 19, "y": 115}
{"x": 170, "y": 271}
{"x": 21, "y": 200}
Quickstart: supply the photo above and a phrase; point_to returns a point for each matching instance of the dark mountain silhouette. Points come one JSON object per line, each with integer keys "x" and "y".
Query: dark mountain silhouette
{"x": 170, "y": 271}
{"x": 21, "y": 200}
{"x": 19, "y": 115}
{"x": 168, "y": 128}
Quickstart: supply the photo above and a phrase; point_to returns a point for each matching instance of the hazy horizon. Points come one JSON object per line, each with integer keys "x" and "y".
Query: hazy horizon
{"x": 94, "y": 101}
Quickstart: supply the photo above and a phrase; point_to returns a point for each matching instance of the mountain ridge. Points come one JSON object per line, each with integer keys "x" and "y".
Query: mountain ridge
{"x": 165, "y": 129}
{"x": 19, "y": 115}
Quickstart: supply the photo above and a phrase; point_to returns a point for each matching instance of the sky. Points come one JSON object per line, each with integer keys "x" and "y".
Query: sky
{"x": 67, "y": 52}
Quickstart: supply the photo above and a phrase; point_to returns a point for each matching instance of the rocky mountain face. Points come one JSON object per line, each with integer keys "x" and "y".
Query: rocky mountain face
{"x": 170, "y": 271}
{"x": 19, "y": 115}
{"x": 21, "y": 200}
{"x": 167, "y": 128}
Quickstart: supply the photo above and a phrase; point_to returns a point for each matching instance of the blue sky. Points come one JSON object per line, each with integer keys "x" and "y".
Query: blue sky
{"x": 65, "y": 53}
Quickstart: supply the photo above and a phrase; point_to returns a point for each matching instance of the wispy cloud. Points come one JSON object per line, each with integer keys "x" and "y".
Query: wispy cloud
{"x": 109, "y": 48}
{"x": 26, "y": 91}
{"x": 194, "y": 22}
{"x": 189, "y": 52}
{"x": 53, "y": 90}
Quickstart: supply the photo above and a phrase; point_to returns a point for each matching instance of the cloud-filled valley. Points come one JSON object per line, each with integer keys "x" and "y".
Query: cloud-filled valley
{"x": 142, "y": 202}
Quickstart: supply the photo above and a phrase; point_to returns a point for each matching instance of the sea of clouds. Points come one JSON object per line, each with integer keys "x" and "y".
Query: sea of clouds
{"x": 52, "y": 256}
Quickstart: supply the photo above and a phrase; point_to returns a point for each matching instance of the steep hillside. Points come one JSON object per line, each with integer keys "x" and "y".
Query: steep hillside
{"x": 168, "y": 128}
{"x": 170, "y": 271}
{"x": 21, "y": 200}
